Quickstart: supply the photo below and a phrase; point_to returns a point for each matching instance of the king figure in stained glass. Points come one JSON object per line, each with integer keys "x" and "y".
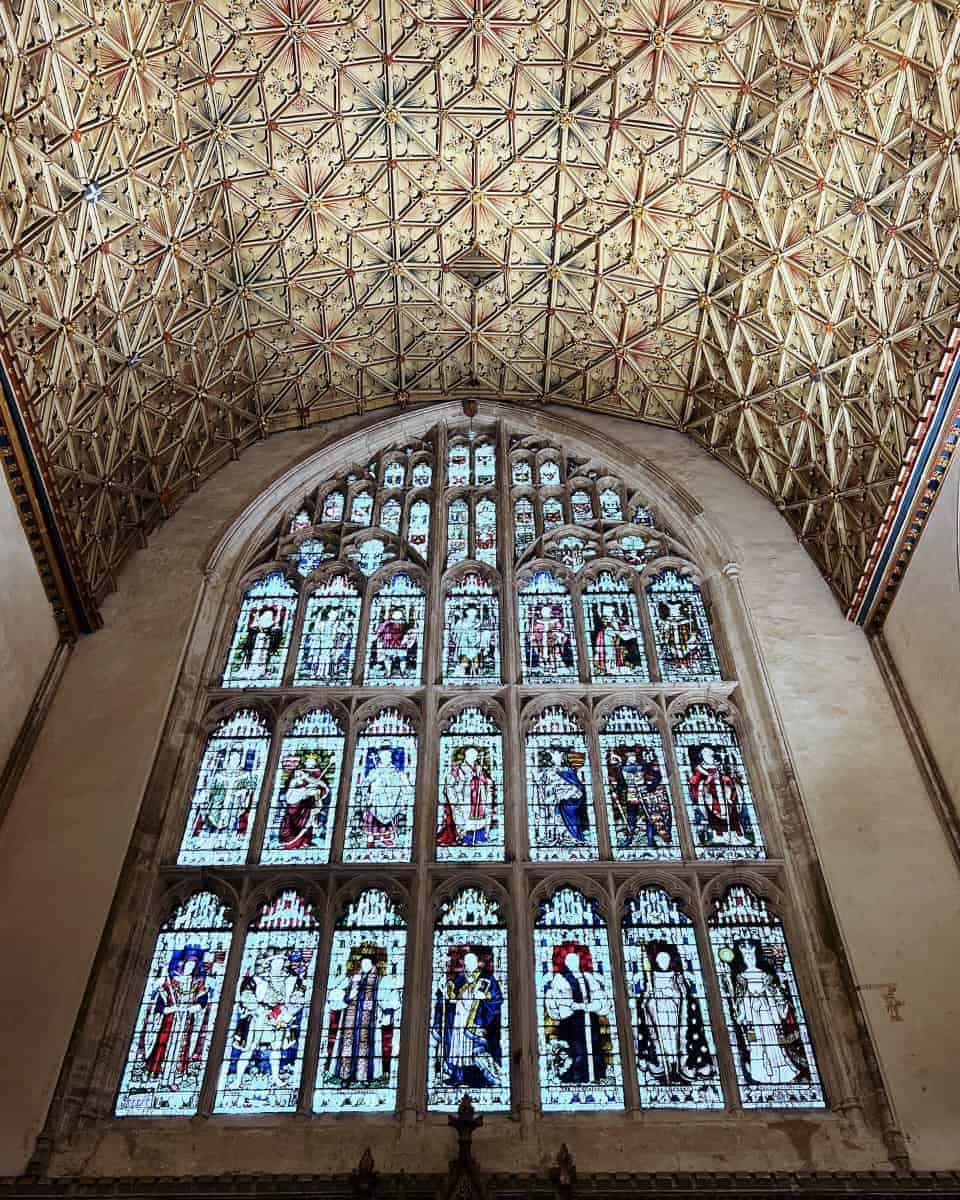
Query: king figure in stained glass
{"x": 396, "y": 631}
{"x": 471, "y": 633}
{"x": 380, "y": 824}
{"x": 641, "y": 801}
{"x": 612, "y": 617}
{"x": 300, "y": 822}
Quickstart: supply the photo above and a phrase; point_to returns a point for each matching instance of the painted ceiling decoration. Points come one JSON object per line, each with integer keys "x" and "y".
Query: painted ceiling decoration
{"x": 222, "y": 218}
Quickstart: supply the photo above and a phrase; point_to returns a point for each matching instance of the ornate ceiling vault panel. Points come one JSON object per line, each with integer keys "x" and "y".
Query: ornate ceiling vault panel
{"x": 225, "y": 217}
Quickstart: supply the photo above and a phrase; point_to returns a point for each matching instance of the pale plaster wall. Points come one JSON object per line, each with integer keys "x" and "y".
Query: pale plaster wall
{"x": 896, "y": 891}
{"x": 922, "y": 632}
{"x": 28, "y": 632}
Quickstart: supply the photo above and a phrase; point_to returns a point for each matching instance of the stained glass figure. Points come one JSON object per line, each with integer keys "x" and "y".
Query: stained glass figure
{"x": 581, "y": 505}
{"x": 263, "y": 1062}
{"x": 394, "y": 474}
{"x": 521, "y": 472}
{"x": 383, "y": 784}
{"x": 485, "y": 464}
{"x": 577, "y": 1029}
{"x": 458, "y": 465}
{"x": 632, "y": 549}
{"x": 261, "y": 637}
{"x": 302, "y": 811}
{"x": 395, "y": 635}
{"x": 469, "y": 1048}
{"x": 301, "y": 520}
{"x": 610, "y": 507}
{"x": 458, "y": 531}
{"x": 637, "y": 788}
{"x": 331, "y": 513}
{"x": 362, "y": 1013}
{"x": 681, "y": 629}
{"x": 669, "y": 1016}
{"x": 225, "y": 795}
{"x": 470, "y": 816}
{"x": 390, "y": 513}
{"x": 572, "y": 551}
{"x": 559, "y": 806}
{"x": 418, "y": 527}
{"x": 370, "y": 555}
{"x": 524, "y": 527}
{"x": 471, "y": 633}
{"x": 422, "y": 474}
{"x": 549, "y": 473}
{"x": 485, "y": 532}
{"x": 771, "y": 1048}
{"x": 642, "y": 516}
{"x": 720, "y": 805}
{"x": 547, "y": 636}
{"x": 310, "y": 554}
{"x": 174, "y": 1025}
{"x": 361, "y": 510}
{"x": 328, "y": 644}
{"x": 611, "y": 622}
{"x": 552, "y": 513}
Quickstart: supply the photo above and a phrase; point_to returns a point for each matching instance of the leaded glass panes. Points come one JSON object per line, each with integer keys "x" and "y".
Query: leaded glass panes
{"x": 637, "y": 787}
{"x": 331, "y": 512}
{"x": 769, "y": 1040}
{"x": 422, "y": 475}
{"x": 418, "y": 527}
{"x": 301, "y": 520}
{"x": 370, "y": 554}
{"x": 302, "y": 811}
{"x": 667, "y": 998}
{"x": 363, "y": 1008}
{"x": 390, "y": 513}
{"x": 552, "y": 513}
{"x": 610, "y": 507}
{"x": 485, "y": 531}
{"x": 632, "y": 549}
{"x": 642, "y": 515}
{"x": 547, "y": 635}
{"x": 485, "y": 464}
{"x": 471, "y": 633}
{"x": 680, "y": 628}
{"x": 549, "y": 473}
{"x": 559, "y": 805}
{"x": 310, "y": 554}
{"x": 521, "y": 472}
{"x": 361, "y": 508}
{"x": 395, "y": 634}
{"x": 171, "y": 1038}
{"x": 228, "y": 783}
{"x": 720, "y": 804}
{"x": 470, "y": 789}
{"x": 579, "y": 1053}
{"x": 611, "y": 622}
{"x": 469, "y": 1028}
{"x": 328, "y": 643}
{"x": 581, "y": 506}
{"x": 394, "y": 474}
{"x": 572, "y": 551}
{"x": 382, "y": 790}
{"x": 261, "y": 637}
{"x": 458, "y": 531}
{"x": 524, "y": 527}
{"x": 263, "y": 1063}
{"x": 458, "y": 465}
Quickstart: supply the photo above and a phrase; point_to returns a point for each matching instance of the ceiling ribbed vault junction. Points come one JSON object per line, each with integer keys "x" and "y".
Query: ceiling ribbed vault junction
{"x": 225, "y": 218}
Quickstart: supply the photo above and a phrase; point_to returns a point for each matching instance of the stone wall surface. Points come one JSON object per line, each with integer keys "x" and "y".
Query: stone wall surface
{"x": 892, "y": 881}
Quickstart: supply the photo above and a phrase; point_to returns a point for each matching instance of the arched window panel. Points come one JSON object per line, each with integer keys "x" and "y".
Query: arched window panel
{"x": 552, "y": 509}
{"x": 548, "y": 473}
{"x": 310, "y": 554}
{"x": 581, "y": 506}
{"x": 331, "y": 510}
{"x": 458, "y": 531}
{"x": 559, "y": 805}
{"x": 611, "y": 622}
{"x": 769, "y": 1040}
{"x": 470, "y": 790}
{"x": 640, "y": 514}
{"x": 263, "y": 1061}
{"x": 471, "y": 633}
{"x": 458, "y": 465}
{"x": 303, "y": 807}
{"x": 469, "y": 1042}
{"x": 547, "y": 633}
{"x": 224, "y": 801}
{"x": 394, "y": 473}
{"x": 485, "y": 464}
{"x": 521, "y": 472}
{"x": 369, "y": 554}
{"x": 422, "y": 474}
{"x": 611, "y": 507}
{"x": 524, "y": 527}
{"x": 261, "y": 637}
{"x": 390, "y": 514}
{"x": 681, "y": 629}
{"x": 579, "y": 1053}
{"x": 328, "y": 643}
{"x": 418, "y": 527}
{"x": 667, "y": 998}
{"x": 485, "y": 531}
{"x": 633, "y": 549}
{"x": 363, "y": 1009}
{"x": 382, "y": 791}
{"x": 301, "y": 520}
{"x": 637, "y": 788}
{"x": 361, "y": 507}
{"x": 395, "y": 634}
{"x": 573, "y": 551}
{"x": 720, "y": 806}
{"x": 174, "y": 1024}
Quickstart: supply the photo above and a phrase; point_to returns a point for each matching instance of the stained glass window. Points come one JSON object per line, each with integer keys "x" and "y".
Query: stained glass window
{"x": 363, "y": 1008}
{"x": 328, "y": 643}
{"x": 458, "y": 531}
{"x": 422, "y": 474}
{"x": 485, "y": 464}
{"x": 395, "y": 634}
{"x": 471, "y": 633}
{"x": 636, "y": 785}
{"x": 552, "y": 513}
{"x": 485, "y": 532}
{"x": 521, "y": 472}
{"x": 720, "y": 805}
{"x": 301, "y": 520}
{"x": 524, "y": 527}
{"x": 769, "y": 1041}
{"x": 418, "y": 527}
{"x": 261, "y": 637}
{"x": 680, "y": 628}
{"x": 559, "y": 805}
{"x": 611, "y": 622}
{"x": 382, "y": 790}
{"x": 361, "y": 510}
{"x": 572, "y": 551}
{"x": 470, "y": 789}
{"x": 390, "y": 513}
{"x": 547, "y": 634}
{"x": 579, "y": 1051}
{"x": 669, "y": 1014}
{"x": 300, "y": 821}
{"x": 549, "y": 473}
{"x": 370, "y": 554}
{"x": 331, "y": 512}
{"x": 171, "y": 1038}
{"x": 632, "y": 549}
{"x": 469, "y": 1028}
{"x": 642, "y": 516}
{"x": 610, "y": 507}
{"x": 458, "y": 465}
{"x": 581, "y": 505}
{"x": 394, "y": 474}
{"x": 310, "y": 554}
{"x": 227, "y": 788}
{"x": 263, "y": 1062}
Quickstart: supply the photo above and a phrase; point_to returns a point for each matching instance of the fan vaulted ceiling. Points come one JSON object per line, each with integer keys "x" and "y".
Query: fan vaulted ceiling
{"x": 224, "y": 218}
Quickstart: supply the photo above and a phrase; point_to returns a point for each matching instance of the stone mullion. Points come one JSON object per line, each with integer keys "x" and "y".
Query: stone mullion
{"x": 714, "y": 999}
{"x": 221, "y": 1027}
{"x": 677, "y": 788}
{"x": 296, "y": 633}
{"x": 598, "y": 799}
{"x": 522, "y": 1000}
{"x": 313, "y": 1044}
{"x": 341, "y": 815}
{"x": 255, "y": 844}
{"x": 640, "y": 579}
{"x": 621, "y": 1004}
{"x": 415, "y": 1032}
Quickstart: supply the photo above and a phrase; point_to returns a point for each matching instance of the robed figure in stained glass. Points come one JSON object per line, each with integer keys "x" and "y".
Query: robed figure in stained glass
{"x": 549, "y": 645}
{"x": 579, "y": 1004}
{"x": 560, "y": 787}
{"x": 173, "y": 1039}
{"x": 768, "y": 1032}
{"x": 385, "y": 794}
{"x": 641, "y": 798}
{"x": 466, "y": 1021}
{"x": 468, "y": 794}
{"x": 394, "y": 651}
{"x": 471, "y": 643}
{"x": 617, "y": 644}
{"x": 716, "y": 792}
{"x": 305, "y": 799}
{"x": 328, "y": 645}
{"x": 271, "y": 1001}
{"x": 672, "y": 1045}
{"x": 362, "y": 1008}
{"x": 263, "y": 640}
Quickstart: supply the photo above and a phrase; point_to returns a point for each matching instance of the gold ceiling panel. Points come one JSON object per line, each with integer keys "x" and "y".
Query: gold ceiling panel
{"x": 224, "y": 218}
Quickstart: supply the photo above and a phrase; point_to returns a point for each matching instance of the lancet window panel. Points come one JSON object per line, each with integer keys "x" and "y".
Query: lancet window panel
{"x": 391, "y": 512}
{"x": 422, "y": 474}
{"x": 581, "y": 506}
{"x": 418, "y": 527}
{"x": 458, "y": 531}
{"x": 611, "y": 506}
{"x": 521, "y": 472}
{"x": 395, "y": 633}
{"x": 613, "y": 629}
{"x": 551, "y": 509}
{"x": 361, "y": 507}
{"x": 470, "y": 813}
{"x": 562, "y": 824}
{"x": 524, "y": 526}
{"x": 636, "y": 782}
{"x": 681, "y": 628}
{"x": 311, "y": 553}
{"x": 548, "y": 638}
{"x": 331, "y": 510}
{"x": 394, "y": 473}
{"x": 458, "y": 465}
{"x": 471, "y": 633}
{"x": 485, "y": 530}
{"x": 485, "y": 464}
{"x": 331, "y": 629}
{"x": 261, "y": 636}
{"x": 379, "y": 825}
{"x": 303, "y": 806}
{"x": 300, "y": 520}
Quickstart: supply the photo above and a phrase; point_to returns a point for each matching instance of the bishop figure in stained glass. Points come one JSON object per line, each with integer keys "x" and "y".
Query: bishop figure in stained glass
{"x": 466, "y": 1020}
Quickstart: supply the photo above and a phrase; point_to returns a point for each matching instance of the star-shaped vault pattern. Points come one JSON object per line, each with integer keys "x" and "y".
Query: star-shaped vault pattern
{"x": 221, "y": 218}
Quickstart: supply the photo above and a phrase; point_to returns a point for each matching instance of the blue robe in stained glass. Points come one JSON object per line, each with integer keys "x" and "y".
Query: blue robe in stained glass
{"x": 466, "y": 1026}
